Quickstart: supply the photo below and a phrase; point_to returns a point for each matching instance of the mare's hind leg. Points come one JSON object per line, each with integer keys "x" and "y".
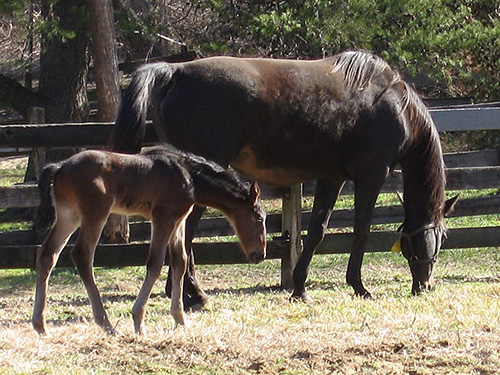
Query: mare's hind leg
{"x": 46, "y": 258}
{"x": 162, "y": 228}
{"x": 368, "y": 183}
{"x": 193, "y": 295}
{"x": 83, "y": 257}
{"x": 327, "y": 191}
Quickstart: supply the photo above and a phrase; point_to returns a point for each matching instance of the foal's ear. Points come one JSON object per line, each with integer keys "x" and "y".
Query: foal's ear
{"x": 449, "y": 205}
{"x": 254, "y": 192}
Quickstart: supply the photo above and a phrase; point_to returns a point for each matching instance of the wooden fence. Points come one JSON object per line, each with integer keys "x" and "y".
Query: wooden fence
{"x": 467, "y": 170}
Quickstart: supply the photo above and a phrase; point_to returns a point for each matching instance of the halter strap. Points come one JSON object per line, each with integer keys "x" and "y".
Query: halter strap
{"x": 413, "y": 255}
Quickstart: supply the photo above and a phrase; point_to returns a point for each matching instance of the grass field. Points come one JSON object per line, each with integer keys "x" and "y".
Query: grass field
{"x": 250, "y": 327}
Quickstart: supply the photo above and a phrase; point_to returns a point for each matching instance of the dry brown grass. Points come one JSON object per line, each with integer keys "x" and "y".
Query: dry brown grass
{"x": 251, "y": 329}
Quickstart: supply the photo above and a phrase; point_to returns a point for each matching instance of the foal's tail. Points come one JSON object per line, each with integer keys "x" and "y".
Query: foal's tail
{"x": 45, "y": 214}
{"x": 129, "y": 128}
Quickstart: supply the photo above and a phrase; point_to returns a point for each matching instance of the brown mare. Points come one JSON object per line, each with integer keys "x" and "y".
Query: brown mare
{"x": 160, "y": 184}
{"x": 283, "y": 122}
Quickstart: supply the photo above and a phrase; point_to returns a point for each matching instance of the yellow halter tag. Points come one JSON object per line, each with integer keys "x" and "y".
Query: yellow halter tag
{"x": 396, "y": 248}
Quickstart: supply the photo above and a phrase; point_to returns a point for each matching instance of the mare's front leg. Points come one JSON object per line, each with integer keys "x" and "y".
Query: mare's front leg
{"x": 162, "y": 228}
{"x": 193, "y": 295}
{"x": 46, "y": 259}
{"x": 82, "y": 256}
{"x": 178, "y": 264}
{"x": 327, "y": 191}
{"x": 368, "y": 183}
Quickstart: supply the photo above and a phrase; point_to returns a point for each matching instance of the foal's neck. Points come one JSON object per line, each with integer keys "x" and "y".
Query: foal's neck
{"x": 219, "y": 189}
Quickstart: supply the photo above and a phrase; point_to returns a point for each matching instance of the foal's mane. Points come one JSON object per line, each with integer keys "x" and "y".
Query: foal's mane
{"x": 423, "y": 155}
{"x": 206, "y": 174}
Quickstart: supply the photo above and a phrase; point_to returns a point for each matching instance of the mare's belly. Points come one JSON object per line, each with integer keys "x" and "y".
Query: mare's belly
{"x": 286, "y": 170}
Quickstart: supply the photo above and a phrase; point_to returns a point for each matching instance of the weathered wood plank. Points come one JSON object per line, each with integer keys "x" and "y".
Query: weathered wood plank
{"x": 482, "y": 158}
{"x": 89, "y": 134}
{"x": 96, "y": 134}
{"x": 466, "y": 118}
{"x": 219, "y": 226}
{"x": 461, "y": 238}
{"x": 135, "y": 254}
{"x": 19, "y": 196}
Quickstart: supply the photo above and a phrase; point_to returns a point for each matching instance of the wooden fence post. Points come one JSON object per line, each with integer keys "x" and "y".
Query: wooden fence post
{"x": 291, "y": 224}
{"x": 38, "y": 154}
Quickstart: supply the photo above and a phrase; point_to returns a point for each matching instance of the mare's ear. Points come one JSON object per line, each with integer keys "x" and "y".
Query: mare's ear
{"x": 254, "y": 192}
{"x": 449, "y": 205}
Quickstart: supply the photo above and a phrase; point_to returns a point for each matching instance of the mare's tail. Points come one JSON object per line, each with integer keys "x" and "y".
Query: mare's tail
{"x": 129, "y": 128}
{"x": 45, "y": 213}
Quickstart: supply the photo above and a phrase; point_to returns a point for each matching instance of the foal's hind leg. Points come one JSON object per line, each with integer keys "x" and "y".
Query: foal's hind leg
{"x": 162, "y": 229}
{"x": 327, "y": 191}
{"x": 83, "y": 258}
{"x": 46, "y": 258}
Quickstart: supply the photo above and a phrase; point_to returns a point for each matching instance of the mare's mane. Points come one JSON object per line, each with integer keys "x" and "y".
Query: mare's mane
{"x": 423, "y": 154}
{"x": 361, "y": 68}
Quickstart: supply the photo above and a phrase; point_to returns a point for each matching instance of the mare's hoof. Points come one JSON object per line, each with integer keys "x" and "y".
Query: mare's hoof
{"x": 359, "y": 290}
{"x": 364, "y": 295}
{"x": 111, "y": 331}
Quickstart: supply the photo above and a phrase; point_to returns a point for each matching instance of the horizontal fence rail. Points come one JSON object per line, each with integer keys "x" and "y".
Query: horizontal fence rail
{"x": 466, "y": 170}
{"x": 97, "y": 134}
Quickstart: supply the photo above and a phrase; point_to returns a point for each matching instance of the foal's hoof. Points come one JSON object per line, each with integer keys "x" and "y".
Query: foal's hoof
{"x": 301, "y": 297}
{"x": 39, "y": 328}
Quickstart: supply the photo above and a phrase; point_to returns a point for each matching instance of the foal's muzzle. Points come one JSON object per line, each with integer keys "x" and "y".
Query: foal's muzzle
{"x": 256, "y": 256}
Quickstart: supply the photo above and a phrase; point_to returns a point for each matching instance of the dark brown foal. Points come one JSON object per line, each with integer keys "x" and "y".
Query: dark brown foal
{"x": 161, "y": 184}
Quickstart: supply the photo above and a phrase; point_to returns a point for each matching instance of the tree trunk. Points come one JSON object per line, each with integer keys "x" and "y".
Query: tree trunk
{"x": 63, "y": 67}
{"x": 105, "y": 60}
{"x": 108, "y": 89}
{"x": 63, "y": 60}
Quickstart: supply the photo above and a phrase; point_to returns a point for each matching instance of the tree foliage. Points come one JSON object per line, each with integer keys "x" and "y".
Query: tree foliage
{"x": 448, "y": 47}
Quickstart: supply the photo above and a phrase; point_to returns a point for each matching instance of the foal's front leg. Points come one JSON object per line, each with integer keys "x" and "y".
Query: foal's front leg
{"x": 162, "y": 229}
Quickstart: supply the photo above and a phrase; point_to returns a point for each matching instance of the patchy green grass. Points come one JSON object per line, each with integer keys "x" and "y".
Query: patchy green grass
{"x": 250, "y": 326}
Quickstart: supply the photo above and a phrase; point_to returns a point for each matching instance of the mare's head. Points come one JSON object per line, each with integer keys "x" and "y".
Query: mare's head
{"x": 249, "y": 222}
{"x": 420, "y": 246}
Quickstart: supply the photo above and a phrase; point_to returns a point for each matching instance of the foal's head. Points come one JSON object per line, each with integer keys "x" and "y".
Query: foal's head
{"x": 249, "y": 222}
